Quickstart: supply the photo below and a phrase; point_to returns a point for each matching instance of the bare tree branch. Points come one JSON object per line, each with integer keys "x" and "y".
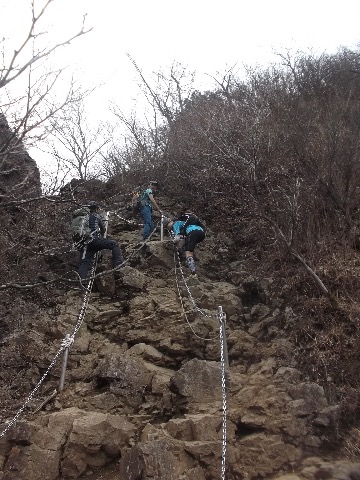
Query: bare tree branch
{"x": 13, "y": 71}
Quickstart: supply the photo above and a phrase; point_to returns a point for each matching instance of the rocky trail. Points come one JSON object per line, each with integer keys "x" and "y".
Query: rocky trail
{"x": 143, "y": 396}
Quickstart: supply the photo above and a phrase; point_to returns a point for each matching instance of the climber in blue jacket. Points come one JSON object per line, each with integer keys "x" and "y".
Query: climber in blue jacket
{"x": 193, "y": 235}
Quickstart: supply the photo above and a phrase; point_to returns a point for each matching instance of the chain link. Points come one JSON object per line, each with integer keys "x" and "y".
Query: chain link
{"x": 221, "y": 317}
{"x": 67, "y": 341}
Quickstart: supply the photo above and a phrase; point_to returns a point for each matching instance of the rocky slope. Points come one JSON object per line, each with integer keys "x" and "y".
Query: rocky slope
{"x": 143, "y": 394}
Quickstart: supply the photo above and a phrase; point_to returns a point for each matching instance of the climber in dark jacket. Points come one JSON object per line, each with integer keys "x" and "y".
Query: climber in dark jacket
{"x": 87, "y": 254}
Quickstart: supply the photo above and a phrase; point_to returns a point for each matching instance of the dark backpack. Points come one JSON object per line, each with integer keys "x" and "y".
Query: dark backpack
{"x": 136, "y": 201}
{"x": 80, "y": 230}
{"x": 190, "y": 219}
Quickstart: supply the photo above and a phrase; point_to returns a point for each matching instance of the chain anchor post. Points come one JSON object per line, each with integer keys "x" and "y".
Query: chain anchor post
{"x": 106, "y": 223}
{"x": 162, "y": 228}
{"x": 67, "y": 343}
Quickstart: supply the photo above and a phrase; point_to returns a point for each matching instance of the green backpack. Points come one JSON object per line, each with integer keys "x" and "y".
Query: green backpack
{"x": 81, "y": 233}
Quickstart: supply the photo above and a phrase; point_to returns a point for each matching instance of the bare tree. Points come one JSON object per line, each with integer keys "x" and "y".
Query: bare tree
{"x": 166, "y": 94}
{"x": 167, "y": 91}
{"x": 75, "y": 144}
{"x": 17, "y": 65}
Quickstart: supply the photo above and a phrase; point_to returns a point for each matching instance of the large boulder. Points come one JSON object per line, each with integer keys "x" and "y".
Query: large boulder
{"x": 67, "y": 443}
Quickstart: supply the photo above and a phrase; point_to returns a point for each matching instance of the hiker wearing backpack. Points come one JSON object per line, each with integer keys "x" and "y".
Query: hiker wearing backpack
{"x": 192, "y": 229}
{"x": 88, "y": 235}
{"x": 148, "y": 203}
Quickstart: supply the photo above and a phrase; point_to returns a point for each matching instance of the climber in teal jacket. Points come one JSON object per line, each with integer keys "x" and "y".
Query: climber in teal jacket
{"x": 148, "y": 202}
{"x": 193, "y": 235}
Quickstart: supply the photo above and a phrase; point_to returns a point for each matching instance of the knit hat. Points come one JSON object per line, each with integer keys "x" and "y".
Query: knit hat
{"x": 93, "y": 204}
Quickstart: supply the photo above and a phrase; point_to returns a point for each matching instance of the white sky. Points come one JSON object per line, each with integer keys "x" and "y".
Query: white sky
{"x": 208, "y": 36}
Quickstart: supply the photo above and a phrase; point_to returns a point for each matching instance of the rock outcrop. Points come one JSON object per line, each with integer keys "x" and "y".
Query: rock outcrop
{"x": 19, "y": 174}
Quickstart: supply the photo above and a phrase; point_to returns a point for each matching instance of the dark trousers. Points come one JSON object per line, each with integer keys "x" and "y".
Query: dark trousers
{"x": 95, "y": 246}
{"x": 192, "y": 239}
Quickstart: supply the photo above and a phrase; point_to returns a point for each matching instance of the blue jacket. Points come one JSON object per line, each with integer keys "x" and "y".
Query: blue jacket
{"x": 178, "y": 225}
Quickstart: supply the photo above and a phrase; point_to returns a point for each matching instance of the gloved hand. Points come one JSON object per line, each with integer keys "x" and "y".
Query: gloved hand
{"x": 176, "y": 239}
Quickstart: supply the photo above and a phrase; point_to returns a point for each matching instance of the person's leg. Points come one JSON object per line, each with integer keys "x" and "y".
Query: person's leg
{"x": 189, "y": 252}
{"x": 191, "y": 262}
{"x": 191, "y": 240}
{"x": 85, "y": 262}
{"x": 146, "y": 215}
{"x": 106, "y": 244}
{"x": 117, "y": 257}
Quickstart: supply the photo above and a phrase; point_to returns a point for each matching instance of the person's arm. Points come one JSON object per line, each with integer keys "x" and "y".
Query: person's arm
{"x": 177, "y": 228}
{"x": 177, "y": 231}
{"x": 153, "y": 201}
{"x": 101, "y": 226}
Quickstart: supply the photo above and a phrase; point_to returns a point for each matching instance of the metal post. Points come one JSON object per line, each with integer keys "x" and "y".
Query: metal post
{"x": 162, "y": 228}
{"x": 64, "y": 364}
{"x": 47, "y": 400}
{"x": 106, "y": 223}
{"x": 99, "y": 254}
{"x": 222, "y": 320}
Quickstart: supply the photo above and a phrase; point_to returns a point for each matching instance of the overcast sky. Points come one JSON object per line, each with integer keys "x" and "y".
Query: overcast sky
{"x": 207, "y": 36}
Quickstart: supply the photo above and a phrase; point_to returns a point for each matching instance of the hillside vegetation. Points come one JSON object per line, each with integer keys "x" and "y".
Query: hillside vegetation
{"x": 271, "y": 163}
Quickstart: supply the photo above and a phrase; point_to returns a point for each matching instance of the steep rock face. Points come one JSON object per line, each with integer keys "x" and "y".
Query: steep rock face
{"x": 144, "y": 395}
{"x": 19, "y": 174}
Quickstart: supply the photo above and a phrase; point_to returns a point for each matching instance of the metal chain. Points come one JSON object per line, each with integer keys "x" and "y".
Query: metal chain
{"x": 221, "y": 317}
{"x": 183, "y": 308}
{"x": 198, "y": 309}
{"x": 55, "y": 250}
{"x": 118, "y": 195}
{"x": 131, "y": 222}
{"x": 66, "y": 343}
{"x": 29, "y": 398}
